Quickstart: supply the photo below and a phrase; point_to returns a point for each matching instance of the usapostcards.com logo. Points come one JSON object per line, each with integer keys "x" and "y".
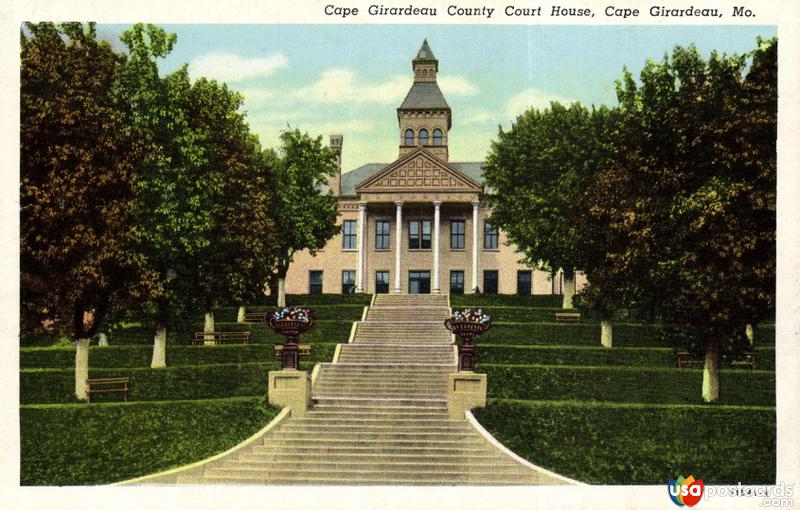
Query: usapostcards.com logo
{"x": 685, "y": 491}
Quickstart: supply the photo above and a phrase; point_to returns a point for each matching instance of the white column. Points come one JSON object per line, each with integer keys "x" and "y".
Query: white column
{"x": 436, "y": 204}
{"x": 398, "y": 246}
{"x": 475, "y": 245}
{"x": 362, "y": 219}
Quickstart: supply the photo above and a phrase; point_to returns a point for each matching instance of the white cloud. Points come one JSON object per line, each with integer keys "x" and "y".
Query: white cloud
{"x": 229, "y": 67}
{"x": 456, "y": 86}
{"x": 532, "y": 98}
{"x": 477, "y": 117}
{"x": 337, "y": 86}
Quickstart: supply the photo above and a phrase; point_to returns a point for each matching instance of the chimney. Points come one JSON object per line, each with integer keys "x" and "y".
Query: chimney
{"x": 335, "y": 144}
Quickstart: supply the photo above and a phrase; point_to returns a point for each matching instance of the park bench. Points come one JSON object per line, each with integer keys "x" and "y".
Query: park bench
{"x": 255, "y": 316}
{"x": 684, "y": 358}
{"x": 567, "y": 317}
{"x": 107, "y": 385}
{"x": 220, "y": 337}
{"x": 302, "y": 349}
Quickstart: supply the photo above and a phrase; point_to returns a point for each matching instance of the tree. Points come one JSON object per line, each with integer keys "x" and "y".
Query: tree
{"x": 174, "y": 190}
{"x": 536, "y": 172}
{"x": 305, "y": 217}
{"x": 76, "y": 192}
{"x": 239, "y": 257}
{"x": 689, "y": 205}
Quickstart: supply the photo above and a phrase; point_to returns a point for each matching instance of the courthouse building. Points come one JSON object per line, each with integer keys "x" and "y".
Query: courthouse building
{"x": 417, "y": 224}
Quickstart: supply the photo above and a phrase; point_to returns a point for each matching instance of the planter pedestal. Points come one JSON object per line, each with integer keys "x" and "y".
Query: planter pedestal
{"x": 290, "y": 388}
{"x": 465, "y": 391}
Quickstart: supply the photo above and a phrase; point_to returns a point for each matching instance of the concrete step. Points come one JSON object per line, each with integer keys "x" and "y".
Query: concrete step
{"x": 380, "y": 470}
{"x": 333, "y": 457}
{"x": 312, "y": 420}
{"x": 372, "y": 427}
{"x": 436, "y": 403}
{"x": 401, "y": 438}
{"x": 376, "y": 449}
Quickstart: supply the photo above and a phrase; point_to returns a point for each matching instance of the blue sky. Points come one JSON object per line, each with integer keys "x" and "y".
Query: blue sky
{"x": 327, "y": 79}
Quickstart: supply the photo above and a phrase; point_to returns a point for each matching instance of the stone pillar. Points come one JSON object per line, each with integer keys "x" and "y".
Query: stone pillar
{"x": 465, "y": 391}
{"x": 290, "y": 388}
{"x": 398, "y": 246}
{"x": 475, "y": 205}
{"x": 436, "y": 288}
{"x": 362, "y": 218}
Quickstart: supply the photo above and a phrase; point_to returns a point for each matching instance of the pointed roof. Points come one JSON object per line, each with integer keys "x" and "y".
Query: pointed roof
{"x": 424, "y": 95}
{"x": 425, "y": 54}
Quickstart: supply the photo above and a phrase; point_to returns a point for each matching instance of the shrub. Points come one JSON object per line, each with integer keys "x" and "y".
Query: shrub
{"x": 544, "y": 333}
{"x": 99, "y": 444}
{"x": 170, "y": 383}
{"x": 618, "y": 384}
{"x": 125, "y": 356}
{"x": 487, "y": 300}
{"x": 627, "y": 445}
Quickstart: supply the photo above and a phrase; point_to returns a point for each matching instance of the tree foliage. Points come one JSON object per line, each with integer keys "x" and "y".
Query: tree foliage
{"x": 690, "y": 202}
{"x": 305, "y": 215}
{"x": 77, "y": 182}
{"x": 536, "y": 172}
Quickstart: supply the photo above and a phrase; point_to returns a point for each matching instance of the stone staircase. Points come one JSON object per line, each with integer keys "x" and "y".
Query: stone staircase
{"x": 379, "y": 416}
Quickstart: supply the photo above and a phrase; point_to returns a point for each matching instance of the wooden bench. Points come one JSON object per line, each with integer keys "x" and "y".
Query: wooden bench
{"x": 748, "y": 358}
{"x": 684, "y": 358}
{"x": 302, "y": 350}
{"x": 107, "y": 385}
{"x": 220, "y": 337}
{"x": 255, "y": 316}
{"x": 567, "y": 317}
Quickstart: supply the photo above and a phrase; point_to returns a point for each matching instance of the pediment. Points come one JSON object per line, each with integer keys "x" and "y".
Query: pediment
{"x": 419, "y": 171}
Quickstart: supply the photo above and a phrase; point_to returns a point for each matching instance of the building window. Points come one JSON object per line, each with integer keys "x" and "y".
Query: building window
{"x": 409, "y": 137}
{"x": 315, "y": 282}
{"x": 457, "y": 234}
{"x": 382, "y": 235}
{"x": 349, "y": 235}
{"x": 381, "y": 282}
{"x": 423, "y": 137}
{"x": 348, "y": 282}
{"x": 437, "y": 137}
{"x": 419, "y": 235}
{"x": 490, "y": 282}
{"x": 456, "y": 282}
{"x": 523, "y": 283}
{"x": 489, "y": 236}
{"x": 419, "y": 282}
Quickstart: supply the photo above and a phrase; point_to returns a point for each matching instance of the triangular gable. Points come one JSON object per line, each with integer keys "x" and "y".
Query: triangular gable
{"x": 418, "y": 171}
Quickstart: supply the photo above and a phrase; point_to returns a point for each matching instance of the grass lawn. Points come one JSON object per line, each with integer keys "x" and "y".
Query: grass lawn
{"x": 79, "y": 444}
{"x": 629, "y": 444}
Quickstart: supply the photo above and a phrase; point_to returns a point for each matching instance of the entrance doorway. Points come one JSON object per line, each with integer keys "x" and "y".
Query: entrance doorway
{"x": 419, "y": 282}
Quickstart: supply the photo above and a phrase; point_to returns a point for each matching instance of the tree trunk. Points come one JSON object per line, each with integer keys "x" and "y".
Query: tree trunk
{"x": 748, "y": 332}
{"x": 281, "y": 292}
{"x": 208, "y": 327}
{"x": 102, "y": 340}
{"x": 569, "y": 288}
{"x": 606, "y": 333}
{"x": 240, "y": 315}
{"x": 160, "y": 348}
{"x": 711, "y": 373}
{"x": 81, "y": 368}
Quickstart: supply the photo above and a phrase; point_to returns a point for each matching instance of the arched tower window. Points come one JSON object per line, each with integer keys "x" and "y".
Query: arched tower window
{"x": 423, "y": 137}
{"x": 437, "y": 137}
{"x": 409, "y": 137}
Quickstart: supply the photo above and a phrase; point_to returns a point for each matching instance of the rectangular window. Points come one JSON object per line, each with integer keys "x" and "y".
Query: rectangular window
{"x": 523, "y": 283}
{"x": 419, "y": 282}
{"x": 381, "y": 282}
{"x": 315, "y": 282}
{"x": 348, "y": 282}
{"x": 456, "y": 282}
{"x": 490, "y": 282}
{"x": 457, "y": 235}
{"x": 419, "y": 235}
{"x": 382, "y": 235}
{"x": 489, "y": 236}
{"x": 349, "y": 236}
